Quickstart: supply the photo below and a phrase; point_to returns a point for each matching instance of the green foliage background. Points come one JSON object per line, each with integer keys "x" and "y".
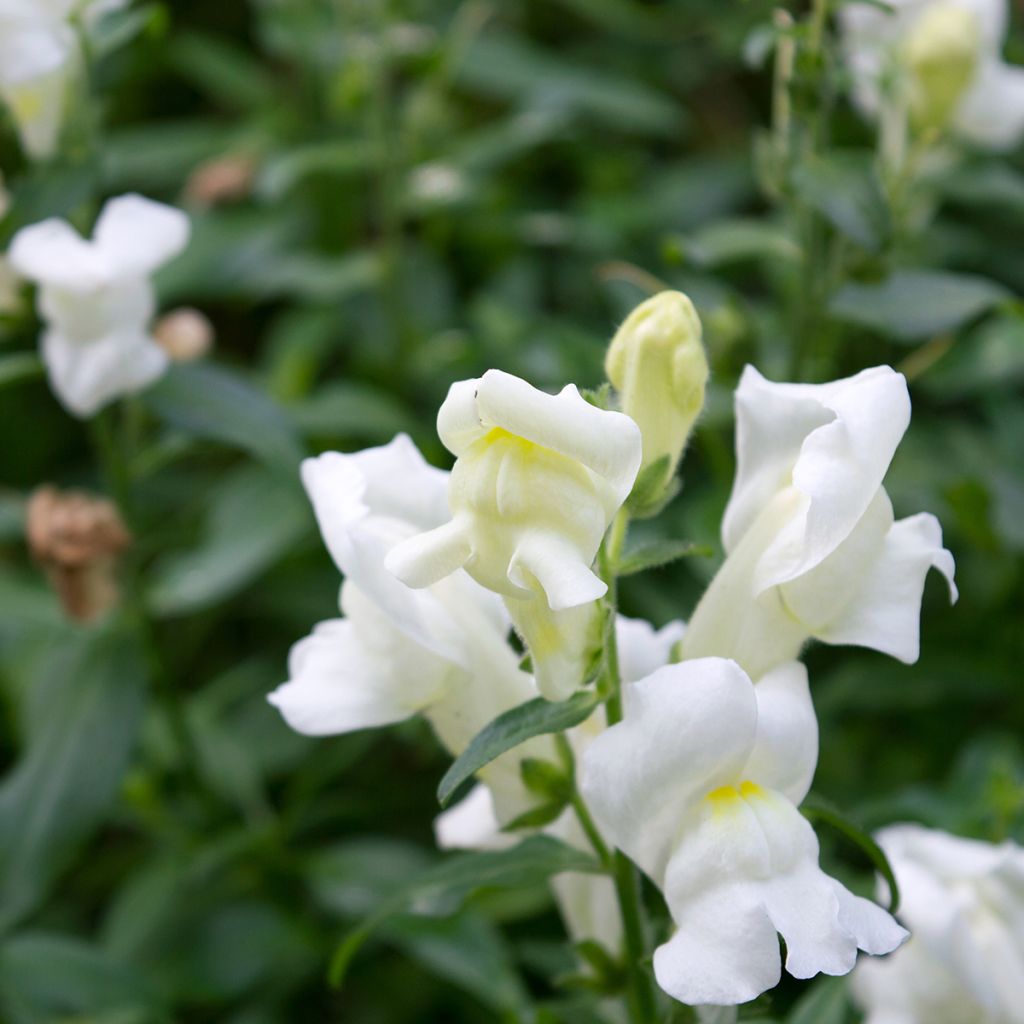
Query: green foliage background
{"x": 439, "y": 188}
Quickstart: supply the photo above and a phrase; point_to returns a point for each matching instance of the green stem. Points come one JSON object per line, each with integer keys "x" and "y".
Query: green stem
{"x": 115, "y": 467}
{"x": 640, "y": 997}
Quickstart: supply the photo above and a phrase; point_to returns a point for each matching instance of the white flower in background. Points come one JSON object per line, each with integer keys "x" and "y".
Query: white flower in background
{"x": 97, "y": 299}
{"x": 39, "y": 56}
{"x": 441, "y": 651}
{"x": 964, "y": 903}
{"x": 656, "y": 362}
{"x": 699, "y": 785}
{"x": 941, "y": 62}
{"x": 813, "y": 549}
{"x": 537, "y": 480}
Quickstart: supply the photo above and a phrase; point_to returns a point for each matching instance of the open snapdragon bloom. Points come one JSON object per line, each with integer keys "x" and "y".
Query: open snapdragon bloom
{"x": 699, "y": 785}
{"x": 964, "y": 901}
{"x": 536, "y": 483}
{"x": 813, "y": 548}
{"x": 97, "y": 299}
{"x": 941, "y": 62}
{"x": 441, "y": 650}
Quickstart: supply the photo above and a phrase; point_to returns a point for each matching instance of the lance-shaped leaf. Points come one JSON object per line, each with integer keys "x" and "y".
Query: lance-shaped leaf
{"x": 445, "y": 885}
{"x": 508, "y": 730}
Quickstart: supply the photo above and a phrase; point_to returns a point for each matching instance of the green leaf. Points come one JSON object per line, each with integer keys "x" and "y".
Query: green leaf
{"x": 536, "y": 817}
{"x": 730, "y": 241}
{"x": 214, "y": 403}
{"x": 817, "y": 811}
{"x": 85, "y": 703}
{"x": 255, "y": 517}
{"x": 545, "y": 779}
{"x": 228, "y": 72}
{"x": 528, "y": 863}
{"x": 914, "y": 304}
{"x": 19, "y": 366}
{"x": 989, "y": 359}
{"x": 828, "y": 1002}
{"x": 649, "y": 486}
{"x": 509, "y": 67}
{"x": 466, "y": 950}
{"x": 345, "y": 408}
{"x": 534, "y": 718}
{"x": 48, "y": 977}
{"x": 656, "y": 553}
{"x": 843, "y": 188}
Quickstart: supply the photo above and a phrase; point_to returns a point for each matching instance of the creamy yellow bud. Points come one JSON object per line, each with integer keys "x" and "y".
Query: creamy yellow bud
{"x": 941, "y": 53}
{"x": 656, "y": 361}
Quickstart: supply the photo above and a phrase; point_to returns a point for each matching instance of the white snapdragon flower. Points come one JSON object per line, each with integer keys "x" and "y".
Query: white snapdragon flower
{"x": 941, "y": 61}
{"x": 441, "y": 651}
{"x": 699, "y": 785}
{"x": 39, "y": 56}
{"x": 813, "y": 549}
{"x": 97, "y": 299}
{"x": 964, "y": 902}
{"x": 537, "y": 480}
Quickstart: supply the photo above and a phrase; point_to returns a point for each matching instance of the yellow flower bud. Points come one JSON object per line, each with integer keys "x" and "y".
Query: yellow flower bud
{"x": 941, "y": 52}
{"x": 656, "y": 361}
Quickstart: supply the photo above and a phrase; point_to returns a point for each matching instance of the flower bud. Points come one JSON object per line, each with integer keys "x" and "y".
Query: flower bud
{"x": 656, "y": 361}
{"x": 225, "y": 179}
{"x": 77, "y": 538}
{"x": 941, "y": 52}
{"x": 184, "y": 334}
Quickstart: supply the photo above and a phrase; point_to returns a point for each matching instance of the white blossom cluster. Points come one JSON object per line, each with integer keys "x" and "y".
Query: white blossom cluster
{"x": 700, "y": 782}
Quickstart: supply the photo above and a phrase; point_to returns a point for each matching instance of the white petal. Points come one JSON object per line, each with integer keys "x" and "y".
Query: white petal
{"x": 349, "y": 675}
{"x": 367, "y": 502}
{"x": 884, "y": 611}
{"x": 472, "y": 824}
{"x": 86, "y": 376}
{"x": 991, "y": 114}
{"x": 689, "y": 729}
{"x": 642, "y": 649}
{"x": 136, "y": 235}
{"x": 392, "y": 484}
{"x": 53, "y": 253}
{"x": 38, "y": 107}
{"x": 427, "y": 558}
{"x": 608, "y": 443}
{"x": 32, "y": 48}
{"x": 725, "y": 952}
{"x": 834, "y": 442}
{"x": 555, "y": 564}
{"x": 785, "y": 752}
{"x": 458, "y": 419}
{"x": 559, "y": 642}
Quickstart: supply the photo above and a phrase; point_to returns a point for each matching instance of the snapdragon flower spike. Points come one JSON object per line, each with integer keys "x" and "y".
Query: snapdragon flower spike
{"x": 699, "y": 785}
{"x": 942, "y": 61}
{"x": 97, "y": 299}
{"x": 441, "y": 651}
{"x": 964, "y": 902}
{"x": 537, "y": 480}
{"x": 813, "y": 547}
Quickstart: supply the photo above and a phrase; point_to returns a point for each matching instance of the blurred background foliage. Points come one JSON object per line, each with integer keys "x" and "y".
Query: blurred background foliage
{"x": 387, "y": 196}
